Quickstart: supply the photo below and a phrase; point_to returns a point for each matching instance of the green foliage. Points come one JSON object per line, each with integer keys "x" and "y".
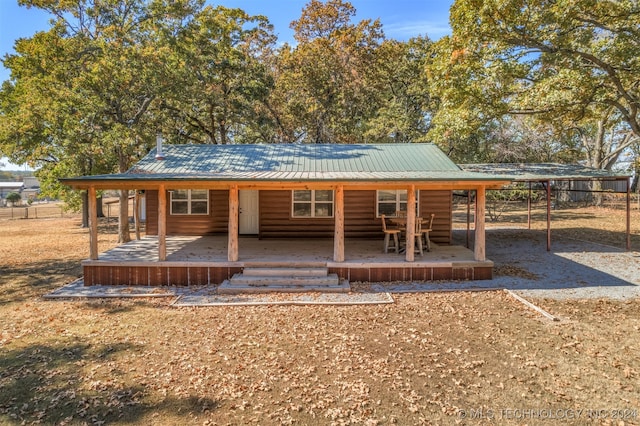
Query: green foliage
{"x": 570, "y": 64}
{"x": 13, "y": 197}
{"x": 88, "y": 95}
{"x": 514, "y": 192}
{"x": 6, "y": 175}
{"x": 221, "y": 74}
{"x": 324, "y": 89}
{"x": 403, "y": 105}
{"x": 559, "y": 58}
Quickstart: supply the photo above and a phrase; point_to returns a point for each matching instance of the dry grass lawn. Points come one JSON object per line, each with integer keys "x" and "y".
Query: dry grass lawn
{"x": 449, "y": 358}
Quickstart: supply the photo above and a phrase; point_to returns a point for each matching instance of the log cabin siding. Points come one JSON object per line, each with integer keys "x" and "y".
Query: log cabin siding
{"x": 276, "y": 220}
{"x": 216, "y": 222}
{"x": 439, "y": 203}
{"x": 359, "y": 212}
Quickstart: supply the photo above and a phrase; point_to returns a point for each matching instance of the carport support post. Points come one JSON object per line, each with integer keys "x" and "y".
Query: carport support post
{"x": 628, "y": 214}
{"x": 479, "y": 251}
{"x": 232, "y": 249}
{"x": 549, "y": 215}
{"x": 529, "y": 207}
{"x": 93, "y": 223}
{"x": 411, "y": 224}
{"x": 338, "y": 237}
{"x": 162, "y": 223}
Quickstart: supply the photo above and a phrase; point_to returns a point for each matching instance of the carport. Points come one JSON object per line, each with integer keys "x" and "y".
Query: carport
{"x": 547, "y": 173}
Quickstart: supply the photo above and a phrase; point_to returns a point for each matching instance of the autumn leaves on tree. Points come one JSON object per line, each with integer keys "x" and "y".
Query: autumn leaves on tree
{"x": 515, "y": 81}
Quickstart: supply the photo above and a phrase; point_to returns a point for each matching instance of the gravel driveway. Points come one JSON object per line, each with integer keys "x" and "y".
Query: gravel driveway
{"x": 573, "y": 269}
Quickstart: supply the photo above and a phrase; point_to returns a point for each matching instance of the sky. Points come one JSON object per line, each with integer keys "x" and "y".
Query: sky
{"x": 401, "y": 20}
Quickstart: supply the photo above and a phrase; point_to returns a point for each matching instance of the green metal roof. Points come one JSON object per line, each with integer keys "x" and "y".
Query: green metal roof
{"x": 543, "y": 171}
{"x": 294, "y": 162}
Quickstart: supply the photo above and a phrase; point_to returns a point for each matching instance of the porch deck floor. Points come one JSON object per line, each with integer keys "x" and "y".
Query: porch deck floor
{"x": 213, "y": 249}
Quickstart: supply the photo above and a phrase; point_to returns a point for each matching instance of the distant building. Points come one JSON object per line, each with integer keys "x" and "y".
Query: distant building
{"x": 8, "y": 187}
{"x": 31, "y": 188}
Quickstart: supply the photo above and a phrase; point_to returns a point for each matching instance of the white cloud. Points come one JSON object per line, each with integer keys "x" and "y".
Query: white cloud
{"x": 406, "y": 30}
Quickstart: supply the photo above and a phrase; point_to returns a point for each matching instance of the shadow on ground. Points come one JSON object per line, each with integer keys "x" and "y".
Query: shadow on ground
{"x": 46, "y": 380}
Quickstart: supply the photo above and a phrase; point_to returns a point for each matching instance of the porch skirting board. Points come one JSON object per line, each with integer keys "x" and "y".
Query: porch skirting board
{"x": 201, "y": 273}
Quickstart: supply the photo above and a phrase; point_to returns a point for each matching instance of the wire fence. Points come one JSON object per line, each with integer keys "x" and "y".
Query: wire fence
{"x": 32, "y": 212}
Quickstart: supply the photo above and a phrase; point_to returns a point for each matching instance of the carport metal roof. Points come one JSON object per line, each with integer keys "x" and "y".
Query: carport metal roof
{"x": 537, "y": 172}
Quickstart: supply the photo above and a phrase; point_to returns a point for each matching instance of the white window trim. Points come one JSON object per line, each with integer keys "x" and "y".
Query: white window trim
{"x": 398, "y": 202}
{"x": 188, "y": 200}
{"x": 312, "y": 202}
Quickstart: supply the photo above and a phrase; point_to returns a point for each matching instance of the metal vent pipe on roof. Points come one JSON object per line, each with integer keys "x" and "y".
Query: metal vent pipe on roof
{"x": 159, "y": 153}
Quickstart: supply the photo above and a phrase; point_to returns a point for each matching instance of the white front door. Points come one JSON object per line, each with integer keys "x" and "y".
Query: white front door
{"x": 249, "y": 212}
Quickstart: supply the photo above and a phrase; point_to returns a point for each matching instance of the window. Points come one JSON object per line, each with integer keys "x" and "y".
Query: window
{"x": 313, "y": 203}
{"x": 390, "y": 201}
{"x": 189, "y": 201}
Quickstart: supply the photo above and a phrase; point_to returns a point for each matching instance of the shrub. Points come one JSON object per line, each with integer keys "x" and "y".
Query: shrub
{"x": 13, "y": 197}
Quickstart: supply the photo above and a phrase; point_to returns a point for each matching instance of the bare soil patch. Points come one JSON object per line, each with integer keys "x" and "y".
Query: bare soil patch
{"x": 429, "y": 358}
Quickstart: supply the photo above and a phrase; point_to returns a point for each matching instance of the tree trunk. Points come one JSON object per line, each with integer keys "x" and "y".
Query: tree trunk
{"x": 596, "y": 186}
{"x": 123, "y": 217}
{"x": 123, "y": 223}
{"x": 562, "y": 193}
{"x": 99, "y": 207}
{"x": 85, "y": 209}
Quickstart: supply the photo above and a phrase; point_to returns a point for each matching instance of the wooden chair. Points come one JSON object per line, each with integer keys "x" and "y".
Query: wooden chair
{"x": 388, "y": 232}
{"x": 417, "y": 247}
{"x": 401, "y": 213}
{"x": 427, "y": 226}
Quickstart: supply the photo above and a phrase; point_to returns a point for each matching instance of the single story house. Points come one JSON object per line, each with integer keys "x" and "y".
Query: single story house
{"x": 213, "y": 211}
{"x": 7, "y": 188}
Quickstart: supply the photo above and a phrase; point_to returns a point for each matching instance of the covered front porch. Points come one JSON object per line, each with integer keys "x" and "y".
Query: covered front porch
{"x": 203, "y": 260}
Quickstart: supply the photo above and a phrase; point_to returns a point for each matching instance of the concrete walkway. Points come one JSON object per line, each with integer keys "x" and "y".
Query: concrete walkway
{"x": 207, "y": 296}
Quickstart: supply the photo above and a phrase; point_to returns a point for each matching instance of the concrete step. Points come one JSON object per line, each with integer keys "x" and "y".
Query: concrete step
{"x": 269, "y": 280}
{"x": 285, "y": 272}
{"x": 285, "y": 264}
{"x": 227, "y": 288}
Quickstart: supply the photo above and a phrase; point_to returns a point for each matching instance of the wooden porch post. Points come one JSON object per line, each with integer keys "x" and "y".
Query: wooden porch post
{"x": 338, "y": 237}
{"x": 93, "y": 223}
{"x": 136, "y": 213}
{"x": 162, "y": 223}
{"x": 411, "y": 224}
{"x": 232, "y": 247}
{"x": 468, "y": 218}
{"x": 479, "y": 243}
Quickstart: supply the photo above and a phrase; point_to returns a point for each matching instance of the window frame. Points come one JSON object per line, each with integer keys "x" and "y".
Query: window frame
{"x": 398, "y": 201}
{"x": 312, "y": 202}
{"x": 189, "y": 202}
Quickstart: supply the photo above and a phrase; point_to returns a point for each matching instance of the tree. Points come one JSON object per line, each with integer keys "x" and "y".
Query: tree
{"x": 523, "y": 139}
{"x": 403, "y": 106}
{"x": 220, "y": 57}
{"x": 571, "y": 62}
{"x": 13, "y": 197}
{"x": 81, "y": 94}
{"x": 322, "y": 81}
